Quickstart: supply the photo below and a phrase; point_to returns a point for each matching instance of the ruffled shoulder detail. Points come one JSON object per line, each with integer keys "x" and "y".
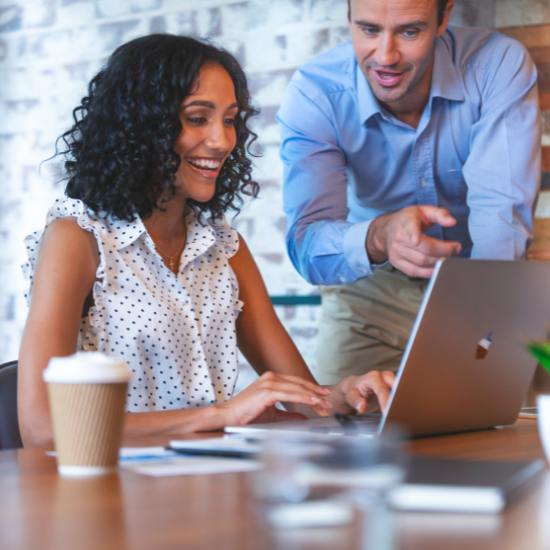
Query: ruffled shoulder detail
{"x": 87, "y": 220}
{"x": 227, "y": 236}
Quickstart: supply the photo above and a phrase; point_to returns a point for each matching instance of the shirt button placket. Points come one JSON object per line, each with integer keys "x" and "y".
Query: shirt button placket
{"x": 427, "y": 192}
{"x": 182, "y": 298}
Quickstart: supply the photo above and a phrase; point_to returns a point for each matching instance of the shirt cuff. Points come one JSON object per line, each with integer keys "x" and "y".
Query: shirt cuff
{"x": 355, "y": 249}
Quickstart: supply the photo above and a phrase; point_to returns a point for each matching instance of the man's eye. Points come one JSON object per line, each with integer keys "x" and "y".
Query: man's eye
{"x": 410, "y": 33}
{"x": 369, "y": 31}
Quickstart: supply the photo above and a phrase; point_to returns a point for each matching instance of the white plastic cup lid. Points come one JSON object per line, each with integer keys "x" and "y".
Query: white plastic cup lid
{"x": 89, "y": 367}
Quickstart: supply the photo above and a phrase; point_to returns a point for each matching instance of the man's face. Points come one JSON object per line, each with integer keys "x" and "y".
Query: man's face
{"x": 393, "y": 42}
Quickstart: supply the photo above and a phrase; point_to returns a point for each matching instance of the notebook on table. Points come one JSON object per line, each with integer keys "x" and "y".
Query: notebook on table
{"x": 480, "y": 487}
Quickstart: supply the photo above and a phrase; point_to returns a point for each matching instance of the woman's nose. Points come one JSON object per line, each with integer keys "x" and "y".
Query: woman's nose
{"x": 219, "y": 138}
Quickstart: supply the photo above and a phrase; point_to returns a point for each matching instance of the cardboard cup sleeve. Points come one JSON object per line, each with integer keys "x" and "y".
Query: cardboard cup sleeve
{"x": 87, "y": 394}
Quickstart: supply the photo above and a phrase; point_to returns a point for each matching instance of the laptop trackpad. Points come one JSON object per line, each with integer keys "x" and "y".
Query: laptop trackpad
{"x": 367, "y": 418}
{"x": 361, "y": 424}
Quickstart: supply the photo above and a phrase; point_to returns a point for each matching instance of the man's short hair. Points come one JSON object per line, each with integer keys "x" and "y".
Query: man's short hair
{"x": 441, "y": 5}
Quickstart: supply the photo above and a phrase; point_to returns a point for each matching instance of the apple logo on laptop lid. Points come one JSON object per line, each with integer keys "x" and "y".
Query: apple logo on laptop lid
{"x": 483, "y": 346}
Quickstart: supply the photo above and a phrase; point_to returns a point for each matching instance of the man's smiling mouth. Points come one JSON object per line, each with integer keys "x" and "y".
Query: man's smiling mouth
{"x": 388, "y": 78}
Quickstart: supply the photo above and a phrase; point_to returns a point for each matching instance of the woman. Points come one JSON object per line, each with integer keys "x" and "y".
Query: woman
{"x": 138, "y": 261}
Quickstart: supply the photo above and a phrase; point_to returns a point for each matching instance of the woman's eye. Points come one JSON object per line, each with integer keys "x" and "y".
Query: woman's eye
{"x": 196, "y": 120}
{"x": 230, "y": 121}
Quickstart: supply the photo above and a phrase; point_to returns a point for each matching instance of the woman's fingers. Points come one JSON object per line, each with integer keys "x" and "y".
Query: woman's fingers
{"x": 297, "y": 380}
{"x": 389, "y": 377}
{"x": 270, "y": 388}
{"x": 379, "y": 383}
{"x": 292, "y": 385}
{"x": 283, "y": 393}
{"x": 273, "y": 414}
{"x": 256, "y": 403}
{"x": 288, "y": 387}
{"x": 380, "y": 389}
{"x": 272, "y": 396}
{"x": 356, "y": 400}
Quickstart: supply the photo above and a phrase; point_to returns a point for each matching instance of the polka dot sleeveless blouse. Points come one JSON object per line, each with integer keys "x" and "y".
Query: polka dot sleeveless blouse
{"x": 177, "y": 333}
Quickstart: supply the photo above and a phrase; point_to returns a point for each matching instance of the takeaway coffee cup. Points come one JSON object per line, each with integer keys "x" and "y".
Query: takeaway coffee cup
{"x": 87, "y": 392}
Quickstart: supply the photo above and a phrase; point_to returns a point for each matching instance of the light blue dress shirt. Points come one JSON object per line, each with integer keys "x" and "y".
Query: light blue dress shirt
{"x": 476, "y": 152}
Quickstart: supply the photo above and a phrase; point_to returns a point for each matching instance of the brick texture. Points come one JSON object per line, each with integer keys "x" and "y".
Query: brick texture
{"x": 474, "y": 13}
{"x": 536, "y": 38}
{"x": 50, "y": 49}
{"x": 515, "y": 13}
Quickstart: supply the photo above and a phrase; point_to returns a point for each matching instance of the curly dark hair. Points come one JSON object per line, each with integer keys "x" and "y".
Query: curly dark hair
{"x": 120, "y": 158}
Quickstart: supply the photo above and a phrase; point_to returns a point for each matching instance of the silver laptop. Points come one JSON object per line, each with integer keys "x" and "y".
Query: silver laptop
{"x": 465, "y": 366}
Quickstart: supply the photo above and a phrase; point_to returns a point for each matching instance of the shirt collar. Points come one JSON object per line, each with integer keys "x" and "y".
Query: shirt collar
{"x": 368, "y": 106}
{"x": 122, "y": 233}
{"x": 200, "y": 236}
{"x": 445, "y": 81}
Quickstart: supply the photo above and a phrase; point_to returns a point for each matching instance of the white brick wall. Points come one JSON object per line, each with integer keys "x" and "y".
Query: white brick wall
{"x": 518, "y": 13}
{"x": 50, "y": 49}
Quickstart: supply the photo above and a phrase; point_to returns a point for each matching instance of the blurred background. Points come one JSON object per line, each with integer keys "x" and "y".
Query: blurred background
{"x": 50, "y": 49}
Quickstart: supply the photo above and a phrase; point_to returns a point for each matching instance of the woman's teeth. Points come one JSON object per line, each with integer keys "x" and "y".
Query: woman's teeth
{"x": 204, "y": 164}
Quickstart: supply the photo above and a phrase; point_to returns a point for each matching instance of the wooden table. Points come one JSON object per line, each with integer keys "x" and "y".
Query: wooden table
{"x": 40, "y": 510}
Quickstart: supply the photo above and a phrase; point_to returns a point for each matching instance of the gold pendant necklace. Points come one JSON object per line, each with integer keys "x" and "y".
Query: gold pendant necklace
{"x": 171, "y": 258}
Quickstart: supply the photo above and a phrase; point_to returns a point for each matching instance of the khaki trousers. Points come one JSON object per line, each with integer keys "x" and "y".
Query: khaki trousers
{"x": 365, "y": 325}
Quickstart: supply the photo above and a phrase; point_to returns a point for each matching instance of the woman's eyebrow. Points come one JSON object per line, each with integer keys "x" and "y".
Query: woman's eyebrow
{"x": 208, "y": 104}
{"x": 200, "y": 103}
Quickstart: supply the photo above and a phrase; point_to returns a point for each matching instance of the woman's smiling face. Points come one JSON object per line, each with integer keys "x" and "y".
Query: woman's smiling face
{"x": 208, "y": 135}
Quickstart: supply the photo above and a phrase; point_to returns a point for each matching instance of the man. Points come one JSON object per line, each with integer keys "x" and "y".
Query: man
{"x": 412, "y": 143}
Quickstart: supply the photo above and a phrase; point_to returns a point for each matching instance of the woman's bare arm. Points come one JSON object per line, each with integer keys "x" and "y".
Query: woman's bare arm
{"x": 267, "y": 346}
{"x": 63, "y": 282}
{"x": 63, "y": 279}
{"x": 262, "y": 338}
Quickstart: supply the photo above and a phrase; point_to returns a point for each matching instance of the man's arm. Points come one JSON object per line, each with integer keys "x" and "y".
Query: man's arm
{"x": 504, "y": 167}
{"x": 323, "y": 246}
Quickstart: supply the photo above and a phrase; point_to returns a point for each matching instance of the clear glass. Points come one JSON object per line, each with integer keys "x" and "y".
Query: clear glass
{"x": 313, "y": 484}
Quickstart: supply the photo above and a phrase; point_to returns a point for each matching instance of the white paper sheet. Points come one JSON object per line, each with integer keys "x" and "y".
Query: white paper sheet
{"x": 186, "y": 465}
{"x": 217, "y": 444}
{"x": 160, "y": 462}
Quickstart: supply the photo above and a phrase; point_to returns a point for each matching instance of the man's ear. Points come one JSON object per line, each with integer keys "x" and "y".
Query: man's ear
{"x": 446, "y": 16}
